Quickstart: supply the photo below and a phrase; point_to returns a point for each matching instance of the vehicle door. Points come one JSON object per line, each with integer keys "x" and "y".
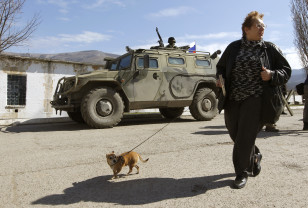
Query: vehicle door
{"x": 147, "y": 81}
{"x": 180, "y": 81}
{"x": 126, "y": 74}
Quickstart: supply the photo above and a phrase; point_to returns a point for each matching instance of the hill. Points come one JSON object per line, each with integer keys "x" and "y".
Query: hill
{"x": 298, "y": 76}
{"x": 92, "y": 56}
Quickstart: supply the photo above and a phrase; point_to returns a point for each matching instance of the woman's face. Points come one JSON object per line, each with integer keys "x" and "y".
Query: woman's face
{"x": 256, "y": 31}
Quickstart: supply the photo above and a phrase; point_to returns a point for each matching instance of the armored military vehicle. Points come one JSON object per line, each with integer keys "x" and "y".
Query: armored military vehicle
{"x": 165, "y": 78}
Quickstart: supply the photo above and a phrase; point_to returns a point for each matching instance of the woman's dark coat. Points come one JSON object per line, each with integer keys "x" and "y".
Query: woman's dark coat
{"x": 274, "y": 61}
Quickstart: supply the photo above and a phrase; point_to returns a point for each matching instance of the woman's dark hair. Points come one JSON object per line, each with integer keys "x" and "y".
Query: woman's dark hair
{"x": 250, "y": 19}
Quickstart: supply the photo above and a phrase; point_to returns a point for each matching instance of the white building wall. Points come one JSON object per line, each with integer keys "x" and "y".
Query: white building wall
{"x": 42, "y": 78}
{"x": 3, "y": 95}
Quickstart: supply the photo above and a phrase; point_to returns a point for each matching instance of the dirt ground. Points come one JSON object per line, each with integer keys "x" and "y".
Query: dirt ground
{"x": 190, "y": 165}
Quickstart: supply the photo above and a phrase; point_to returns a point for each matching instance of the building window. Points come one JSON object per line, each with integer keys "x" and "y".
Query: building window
{"x": 16, "y": 89}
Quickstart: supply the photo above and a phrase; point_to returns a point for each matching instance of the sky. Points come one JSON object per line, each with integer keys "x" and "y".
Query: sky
{"x": 111, "y": 25}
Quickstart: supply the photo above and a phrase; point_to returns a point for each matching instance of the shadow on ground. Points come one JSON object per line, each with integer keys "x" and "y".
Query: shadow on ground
{"x": 213, "y": 130}
{"x": 74, "y": 126}
{"x": 292, "y": 132}
{"x": 135, "y": 192}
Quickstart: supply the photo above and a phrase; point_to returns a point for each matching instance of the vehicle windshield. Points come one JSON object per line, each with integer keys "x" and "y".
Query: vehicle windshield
{"x": 125, "y": 62}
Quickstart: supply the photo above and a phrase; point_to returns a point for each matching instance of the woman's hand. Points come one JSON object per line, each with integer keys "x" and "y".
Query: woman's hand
{"x": 218, "y": 84}
{"x": 266, "y": 74}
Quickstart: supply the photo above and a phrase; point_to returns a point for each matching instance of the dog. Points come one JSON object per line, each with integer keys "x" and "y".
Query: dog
{"x": 116, "y": 163}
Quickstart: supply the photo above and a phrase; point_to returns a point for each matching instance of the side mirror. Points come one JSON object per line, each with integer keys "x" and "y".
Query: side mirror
{"x": 215, "y": 54}
{"x": 146, "y": 61}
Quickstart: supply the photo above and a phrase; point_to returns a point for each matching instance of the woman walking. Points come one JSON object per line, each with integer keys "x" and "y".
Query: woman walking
{"x": 245, "y": 65}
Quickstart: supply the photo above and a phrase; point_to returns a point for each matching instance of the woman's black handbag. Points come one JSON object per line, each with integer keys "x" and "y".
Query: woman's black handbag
{"x": 272, "y": 104}
{"x": 300, "y": 88}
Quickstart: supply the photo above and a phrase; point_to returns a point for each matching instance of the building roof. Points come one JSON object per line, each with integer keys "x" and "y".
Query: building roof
{"x": 29, "y": 58}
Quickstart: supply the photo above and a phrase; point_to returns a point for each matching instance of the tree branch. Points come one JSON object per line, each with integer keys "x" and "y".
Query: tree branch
{"x": 10, "y": 35}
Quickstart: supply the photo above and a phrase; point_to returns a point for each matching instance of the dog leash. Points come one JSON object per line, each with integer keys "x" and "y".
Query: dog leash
{"x": 155, "y": 133}
{"x": 160, "y": 129}
{"x": 152, "y": 135}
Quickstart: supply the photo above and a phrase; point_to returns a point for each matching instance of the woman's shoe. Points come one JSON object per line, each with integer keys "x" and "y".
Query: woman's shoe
{"x": 257, "y": 164}
{"x": 271, "y": 128}
{"x": 240, "y": 181}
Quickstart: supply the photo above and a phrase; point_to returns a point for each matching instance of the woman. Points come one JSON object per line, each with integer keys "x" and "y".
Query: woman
{"x": 246, "y": 65}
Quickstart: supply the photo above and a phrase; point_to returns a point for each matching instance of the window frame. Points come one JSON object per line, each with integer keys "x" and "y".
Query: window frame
{"x": 178, "y": 57}
{"x": 202, "y": 59}
{"x": 22, "y": 88}
{"x": 151, "y": 58}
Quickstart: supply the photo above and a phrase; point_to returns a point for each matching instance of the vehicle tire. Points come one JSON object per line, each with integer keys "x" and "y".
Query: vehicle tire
{"x": 204, "y": 105}
{"x": 171, "y": 112}
{"x": 102, "y": 108}
{"x": 76, "y": 116}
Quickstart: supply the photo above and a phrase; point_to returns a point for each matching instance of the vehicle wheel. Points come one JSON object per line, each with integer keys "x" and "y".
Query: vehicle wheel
{"x": 204, "y": 105}
{"x": 102, "y": 108}
{"x": 171, "y": 112}
{"x": 76, "y": 116}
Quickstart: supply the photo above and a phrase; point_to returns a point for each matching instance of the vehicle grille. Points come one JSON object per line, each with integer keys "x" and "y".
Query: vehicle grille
{"x": 68, "y": 84}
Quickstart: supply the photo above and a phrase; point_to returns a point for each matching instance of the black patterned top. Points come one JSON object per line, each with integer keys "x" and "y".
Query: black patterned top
{"x": 246, "y": 78}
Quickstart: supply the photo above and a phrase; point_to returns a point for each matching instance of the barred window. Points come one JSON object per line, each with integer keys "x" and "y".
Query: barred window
{"x": 16, "y": 89}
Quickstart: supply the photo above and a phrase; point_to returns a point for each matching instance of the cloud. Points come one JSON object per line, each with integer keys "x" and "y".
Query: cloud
{"x": 221, "y": 35}
{"x": 100, "y": 3}
{"x": 59, "y": 3}
{"x": 212, "y": 47}
{"x": 274, "y": 36}
{"x": 64, "y": 5}
{"x": 172, "y": 12}
{"x": 64, "y": 11}
{"x": 293, "y": 57}
{"x": 85, "y": 37}
{"x": 71, "y": 41}
{"x": 64, "y": 19}
{"x": 96, "y": 4}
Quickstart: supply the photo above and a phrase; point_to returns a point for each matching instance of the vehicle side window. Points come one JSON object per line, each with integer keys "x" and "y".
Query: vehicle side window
{"x": 176, "y": 61}
{"x": 125, "y": 62}
{"x": 113, "y": 66}
{"x": 153, "y": 63}
{"x": 203, "y": 62}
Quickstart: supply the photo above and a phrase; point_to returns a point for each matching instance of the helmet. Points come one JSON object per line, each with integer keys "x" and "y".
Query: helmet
{"x": 171, "y": 40}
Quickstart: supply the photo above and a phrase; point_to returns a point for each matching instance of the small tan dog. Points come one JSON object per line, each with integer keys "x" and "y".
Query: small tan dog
{"x": 116, "y": 163}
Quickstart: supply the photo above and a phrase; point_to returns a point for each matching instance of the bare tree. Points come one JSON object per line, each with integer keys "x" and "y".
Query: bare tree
{"x": 299, "y": 10}
{"x": 10, "y": 34}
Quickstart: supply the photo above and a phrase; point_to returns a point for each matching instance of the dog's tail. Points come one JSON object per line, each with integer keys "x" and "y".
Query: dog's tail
{"x": 142, "y": 160}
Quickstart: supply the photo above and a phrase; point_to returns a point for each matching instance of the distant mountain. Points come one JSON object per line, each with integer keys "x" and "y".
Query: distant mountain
{"x": 298, "y": 76}
{"x": 92, "y": 56}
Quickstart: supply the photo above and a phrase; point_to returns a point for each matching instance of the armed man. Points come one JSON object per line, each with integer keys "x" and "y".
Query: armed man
{"x": 171, "y": 42}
